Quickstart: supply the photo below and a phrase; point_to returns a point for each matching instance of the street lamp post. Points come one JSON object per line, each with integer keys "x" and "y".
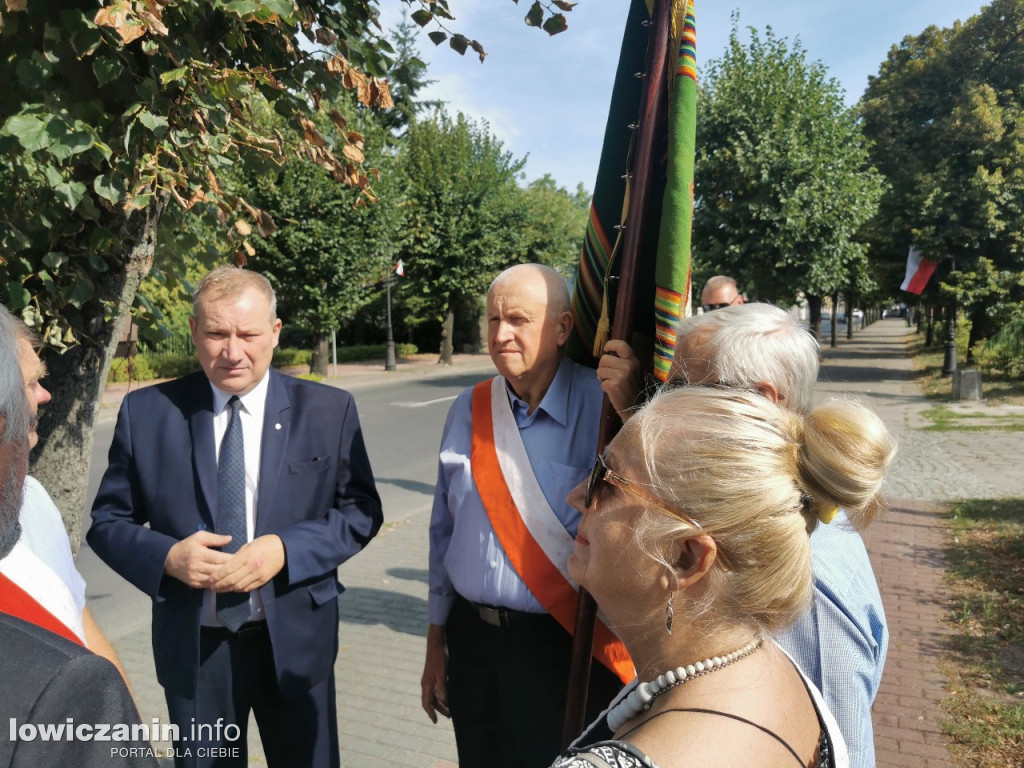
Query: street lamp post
{"x": 389, "y": 355}
{"x": 949, "y": 362}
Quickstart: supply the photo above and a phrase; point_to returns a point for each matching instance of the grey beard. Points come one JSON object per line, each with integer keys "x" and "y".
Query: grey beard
{"x": 10, "y": 508}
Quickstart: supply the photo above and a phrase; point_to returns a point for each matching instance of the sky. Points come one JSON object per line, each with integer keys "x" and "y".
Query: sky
{"x": 547, "y": 97}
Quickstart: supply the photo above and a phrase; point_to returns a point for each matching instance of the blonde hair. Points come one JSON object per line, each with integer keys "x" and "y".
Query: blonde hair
{"x": 230, "y": 281}
{"x": 756, "y": 478}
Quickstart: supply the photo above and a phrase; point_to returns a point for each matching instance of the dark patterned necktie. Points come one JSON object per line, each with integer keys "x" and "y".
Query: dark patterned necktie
{"x": 232, "y": 607}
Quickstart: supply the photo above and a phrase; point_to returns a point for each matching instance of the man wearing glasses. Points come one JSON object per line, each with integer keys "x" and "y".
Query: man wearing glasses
{"x": 720, "y": 292}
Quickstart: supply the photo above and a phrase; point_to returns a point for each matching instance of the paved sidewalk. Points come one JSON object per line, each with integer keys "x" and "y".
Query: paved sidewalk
{"x": 906, "y": 546}
{"x": 384, "y": 613}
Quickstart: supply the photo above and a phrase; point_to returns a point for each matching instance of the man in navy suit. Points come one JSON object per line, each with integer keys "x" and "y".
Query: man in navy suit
{"x": 310, "y": 503}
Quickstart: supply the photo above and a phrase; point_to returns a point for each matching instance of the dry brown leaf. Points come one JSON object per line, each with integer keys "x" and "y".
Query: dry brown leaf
{"x": 212, "y": 182}
{"x": 266, "y": 224}
{"x": 131, "y": 32}
{"x": 248, "y": 248}
{"x": 336, "y": 65}
{"x": 310, "y": 132}
{"x": 154, "y": 23}
{"x": 243, "y": 228}
{"x": 352, "y": 78}
{"x": 114, "y": 15}
{"x": 254, "y": 213}
{"x": 382, "y": 94}
{"x": 353, "y": 153}
{"x": 354, "y": 137}
{"x": 338, "y": 119}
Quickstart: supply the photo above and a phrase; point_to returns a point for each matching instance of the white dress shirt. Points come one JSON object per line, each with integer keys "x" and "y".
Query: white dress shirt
{"x": 254, "y": 405}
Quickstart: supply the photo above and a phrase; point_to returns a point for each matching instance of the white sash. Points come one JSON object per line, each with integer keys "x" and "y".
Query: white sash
{"x": 545, "y": 527}
{"x": 25, "y": 569}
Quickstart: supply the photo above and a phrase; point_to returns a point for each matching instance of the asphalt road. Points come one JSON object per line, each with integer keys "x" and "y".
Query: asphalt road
{"x": 402, "y": 421}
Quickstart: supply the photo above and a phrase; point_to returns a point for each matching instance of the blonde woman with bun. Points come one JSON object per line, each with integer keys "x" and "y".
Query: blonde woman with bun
{"x": 695, "y": 544}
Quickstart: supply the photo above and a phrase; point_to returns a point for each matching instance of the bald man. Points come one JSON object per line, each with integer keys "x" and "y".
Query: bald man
{"x": 719, "y": 292}
{"x": 501, "y": 608}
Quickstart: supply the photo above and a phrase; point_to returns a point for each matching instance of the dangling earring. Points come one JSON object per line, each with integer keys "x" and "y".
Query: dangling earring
{"x": 669, "y": 613}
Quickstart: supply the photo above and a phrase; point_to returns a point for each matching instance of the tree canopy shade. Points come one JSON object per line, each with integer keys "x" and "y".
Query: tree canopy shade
{"x": 782, "y": 184}
{"x": 945, "y": 116}
{"x": 112, "y": 113}
{"x": 462, "y": 212}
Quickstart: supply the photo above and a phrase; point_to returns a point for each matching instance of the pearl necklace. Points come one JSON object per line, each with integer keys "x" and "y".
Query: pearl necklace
{"x": 640, "y": 698}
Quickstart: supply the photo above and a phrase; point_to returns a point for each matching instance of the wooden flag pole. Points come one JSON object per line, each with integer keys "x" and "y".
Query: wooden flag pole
{"x": 652, "y": 112}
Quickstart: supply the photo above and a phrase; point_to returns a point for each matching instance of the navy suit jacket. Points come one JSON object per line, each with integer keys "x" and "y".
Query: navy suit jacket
{"x": 44, "y": 680}
{"x": 316, "y": 491}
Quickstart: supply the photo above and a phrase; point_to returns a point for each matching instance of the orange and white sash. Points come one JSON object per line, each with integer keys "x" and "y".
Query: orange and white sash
{"x": 30, "y": 590}
{"x": 534, "y": 539}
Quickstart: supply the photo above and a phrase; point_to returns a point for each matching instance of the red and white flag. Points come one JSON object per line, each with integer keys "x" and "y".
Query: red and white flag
{"x": 919, "y": 271}
{"x": 400, "y": 268}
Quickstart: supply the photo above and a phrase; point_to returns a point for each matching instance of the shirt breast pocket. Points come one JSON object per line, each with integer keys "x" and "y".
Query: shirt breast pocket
{"x": 556, "y": 481}
{"x": 319, "y": 464}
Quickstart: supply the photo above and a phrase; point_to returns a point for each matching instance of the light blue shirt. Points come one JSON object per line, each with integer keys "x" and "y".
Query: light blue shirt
{"x": 560, "y": 437}
{"x": 841, "y": 642}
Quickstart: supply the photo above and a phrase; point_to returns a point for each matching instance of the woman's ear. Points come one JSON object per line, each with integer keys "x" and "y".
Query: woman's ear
{"x": 692, "y": 558}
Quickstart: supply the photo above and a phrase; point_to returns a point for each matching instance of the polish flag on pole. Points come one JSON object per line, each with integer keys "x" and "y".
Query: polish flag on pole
{"x": 400, "y": 268}
{"x": 919, "y": 271}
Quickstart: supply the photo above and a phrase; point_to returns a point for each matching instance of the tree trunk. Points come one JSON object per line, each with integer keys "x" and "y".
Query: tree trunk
{"x": 833, "y": 323}
{"x": 447, "y": 332}
{"x": 980, "y": 330}
{"x": 321, "y": 354}
{"x": 930, "y": 335}
{"x": 77, "y": 377}
{"x": 814, "y": 315}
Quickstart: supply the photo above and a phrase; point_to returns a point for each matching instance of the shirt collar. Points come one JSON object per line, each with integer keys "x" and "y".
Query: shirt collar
{"x": 555, "y": 402}
{"x": 254, "y": 401}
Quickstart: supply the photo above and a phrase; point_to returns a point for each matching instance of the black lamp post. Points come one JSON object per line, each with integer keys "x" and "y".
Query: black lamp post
{"x": 949, "y": 363}
{"x": 389, "y": 354}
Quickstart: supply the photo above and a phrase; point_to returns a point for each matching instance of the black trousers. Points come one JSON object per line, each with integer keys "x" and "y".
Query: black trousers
{"x": 507, "y": 688}
{"x": 236, "y": 675}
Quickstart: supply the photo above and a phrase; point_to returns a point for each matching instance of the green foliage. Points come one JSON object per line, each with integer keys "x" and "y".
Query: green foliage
{"x": 135, "y": 368}
{"x": 463, "y": 213}
{"x": 145, "y": 366}
{"x": 945, "y": 116}
{"x": 406, "y": 78}
{"x": 362, "y": 353}
{"x": 782, "y": 184}
{"x": 554, "y": 225}
{"x": 289, "y": 358}
{"x": 985, "y": 560}
{"x": 110, "y": 114}
{"x": 1004, "y": 353}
